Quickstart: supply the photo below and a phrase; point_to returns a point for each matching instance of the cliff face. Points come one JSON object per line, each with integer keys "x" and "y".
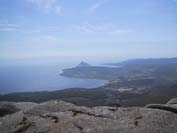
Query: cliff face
{"x": 62, "y": 117}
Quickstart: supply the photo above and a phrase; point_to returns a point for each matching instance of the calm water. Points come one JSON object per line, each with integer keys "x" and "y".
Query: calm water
{"x": 39, "y": 78}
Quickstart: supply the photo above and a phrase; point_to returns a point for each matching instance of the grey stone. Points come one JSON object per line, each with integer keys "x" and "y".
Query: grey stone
{"x": 62, "y": 117}
{"x": 172, "y": 101}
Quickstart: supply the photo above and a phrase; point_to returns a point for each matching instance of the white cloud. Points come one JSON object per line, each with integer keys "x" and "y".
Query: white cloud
{"x": 120, "y": 31}
{"x": 43, "y": 39}
{"x": 47, "y": 6}
{"x": 50, "y": 38}
{"x": 97, "y": 5}
{"x": 106, "y": 28}
{"x": 58, "y": 10}
{"x": 6, "y": 27}
{"x": 10, "y": 27}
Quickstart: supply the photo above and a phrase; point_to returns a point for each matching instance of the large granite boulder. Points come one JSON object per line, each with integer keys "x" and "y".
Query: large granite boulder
{"x": 172, "y": 101}
{"x": 170, "y": 106}
{"x": 62, "y": 117}
{"x": 12, "y": 107}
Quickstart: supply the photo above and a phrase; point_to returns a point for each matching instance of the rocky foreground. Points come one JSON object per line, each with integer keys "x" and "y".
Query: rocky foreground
{"x": 62, "y": 117}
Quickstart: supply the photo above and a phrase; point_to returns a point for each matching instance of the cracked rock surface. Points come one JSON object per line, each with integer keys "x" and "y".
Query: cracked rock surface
{"x": 62, "y": 117}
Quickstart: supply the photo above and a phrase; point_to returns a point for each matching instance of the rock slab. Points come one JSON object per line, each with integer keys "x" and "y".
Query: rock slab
{"x": 62, "y": 117}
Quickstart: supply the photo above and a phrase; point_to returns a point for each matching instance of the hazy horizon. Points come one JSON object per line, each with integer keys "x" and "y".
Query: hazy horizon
{"x": 48, "y": 31}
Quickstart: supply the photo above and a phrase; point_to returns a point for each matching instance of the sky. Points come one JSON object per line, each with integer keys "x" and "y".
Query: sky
{"x": 73, "y": 30}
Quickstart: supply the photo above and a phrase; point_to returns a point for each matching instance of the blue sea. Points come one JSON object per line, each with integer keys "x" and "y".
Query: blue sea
{"x": 40, "y": 78}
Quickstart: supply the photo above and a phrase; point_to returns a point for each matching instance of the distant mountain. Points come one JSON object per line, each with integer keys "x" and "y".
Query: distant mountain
{"x": 128, "y": 70}
{"x": 83, "y": 64}
{"x": 147, "y": 61}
